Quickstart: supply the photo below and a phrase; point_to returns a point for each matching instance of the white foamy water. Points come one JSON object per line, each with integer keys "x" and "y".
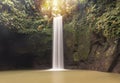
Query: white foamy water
{"x": 57, "y": 69}
{"x": 58, "y": 63}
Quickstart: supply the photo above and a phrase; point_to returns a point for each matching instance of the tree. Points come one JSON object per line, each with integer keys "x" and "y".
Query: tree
{"x": 21, "y": 16}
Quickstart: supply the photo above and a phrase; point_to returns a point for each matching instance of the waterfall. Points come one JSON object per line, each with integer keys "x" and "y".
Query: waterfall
{"x": 58, "y": 62}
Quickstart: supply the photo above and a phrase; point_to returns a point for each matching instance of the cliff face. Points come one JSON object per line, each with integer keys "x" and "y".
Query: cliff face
{"x": 94, "y": 41}
{"x": 101, "y": 54}
{"x": 104, "y": 55}
{"x": 104, "y": 51}
{"x": 115, "y": 66}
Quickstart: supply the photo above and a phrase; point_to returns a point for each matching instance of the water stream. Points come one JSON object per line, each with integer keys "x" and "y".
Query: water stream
{"x": 58, "y": 62}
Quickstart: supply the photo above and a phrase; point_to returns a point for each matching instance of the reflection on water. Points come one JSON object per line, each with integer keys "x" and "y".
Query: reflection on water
{"x": 58, "y": 77}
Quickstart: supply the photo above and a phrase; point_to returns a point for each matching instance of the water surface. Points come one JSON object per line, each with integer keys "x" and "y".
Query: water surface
{"x": 58, "y": 77}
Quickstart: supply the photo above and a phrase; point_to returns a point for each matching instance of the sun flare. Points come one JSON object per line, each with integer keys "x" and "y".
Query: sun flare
{"x": 55, "y": 7}
{"x": 55, "y": 2}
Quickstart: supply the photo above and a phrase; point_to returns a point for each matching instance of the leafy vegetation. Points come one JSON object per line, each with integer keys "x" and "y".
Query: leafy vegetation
{"x": 82, "y": 18}
{"x": 26, "y": 30}
{"x": 109, "y": 22}
{"x": 106, "y": 18}
{"x": 101, "y": 17}
{"x": 21, "y": 16}
{"x": 77, "y": 33}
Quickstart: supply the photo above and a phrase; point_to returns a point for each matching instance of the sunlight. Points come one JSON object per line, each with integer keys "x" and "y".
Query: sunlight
{"x": 56, "y": 7}
{"x": 55, "y": 3}
{"x": 53, "y": 6}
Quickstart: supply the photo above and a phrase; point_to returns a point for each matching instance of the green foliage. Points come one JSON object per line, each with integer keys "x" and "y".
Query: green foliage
{"x": 76, "y": 57}
{"x": 21, "y": 16}
{"x": 83, "y": 1}
{"x": 109, "y": 23}
{"x": 77, "y": 34}
{"x": 100, "y": 16}
{"x": 41, "y": 43}
{"x": 105, "y": 18}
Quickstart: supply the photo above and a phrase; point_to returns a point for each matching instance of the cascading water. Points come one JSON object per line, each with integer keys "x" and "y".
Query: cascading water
{"x": 58, "y": 62}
